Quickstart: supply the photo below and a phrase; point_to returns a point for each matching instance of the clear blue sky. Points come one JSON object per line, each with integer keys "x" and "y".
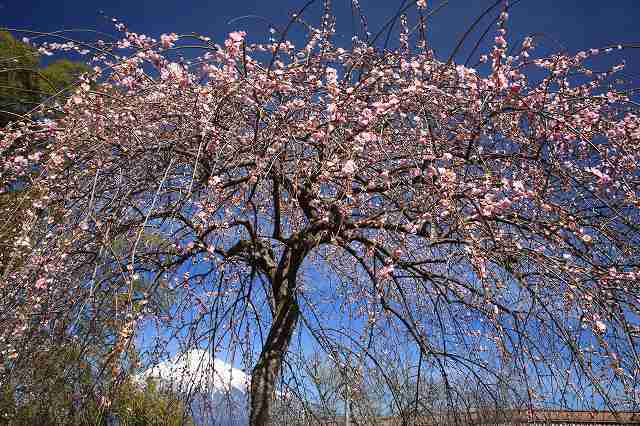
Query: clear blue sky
{"x": 578, "y": 24}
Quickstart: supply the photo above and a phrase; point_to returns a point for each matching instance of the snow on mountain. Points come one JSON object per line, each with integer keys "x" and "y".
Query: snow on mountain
{"x": 216, "y": 392}
{"x": 198, "y": 370}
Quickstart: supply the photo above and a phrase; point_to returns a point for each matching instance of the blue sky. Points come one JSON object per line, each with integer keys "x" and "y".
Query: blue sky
{"x": 573, "y": 24}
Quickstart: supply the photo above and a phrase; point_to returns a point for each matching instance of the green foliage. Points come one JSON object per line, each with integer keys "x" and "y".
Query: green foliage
{"x": 59, "y": 75}
{"x": 41, "y": 393}
{"x": 24, "y": 83}
{"x": 18, "y": 84}
{"x": 62, "y": 390}
{"x": 149, "y": 405}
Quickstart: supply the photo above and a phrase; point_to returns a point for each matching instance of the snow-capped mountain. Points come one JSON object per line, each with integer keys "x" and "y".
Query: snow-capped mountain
{"x": 215, "y": 391}
{"x": 198, "y": 370}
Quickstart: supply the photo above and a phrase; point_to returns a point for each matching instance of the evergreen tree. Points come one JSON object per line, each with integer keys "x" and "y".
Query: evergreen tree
{"x": 24, "y": 82}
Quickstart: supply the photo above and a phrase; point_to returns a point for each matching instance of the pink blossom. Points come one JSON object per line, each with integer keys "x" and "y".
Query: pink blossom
{"x": 213, "y": 143}
{"x": 167, "y": 40}
{"x": 237, "y": 36}
{"x": 600, "y": 326}
{"x": 349, "y": 167}
{"x": 41, "y": 284}
{"x": 386, "y": 271}
{"x": 500, "y": 41}
{"x": 603, "y": 178}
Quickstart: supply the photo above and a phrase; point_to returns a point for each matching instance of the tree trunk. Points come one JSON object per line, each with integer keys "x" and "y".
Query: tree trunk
{"x": 283, "y": 279}
{"x": 267, "y": 369}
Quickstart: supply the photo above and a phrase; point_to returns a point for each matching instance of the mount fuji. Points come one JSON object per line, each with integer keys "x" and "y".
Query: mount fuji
{"x": 216, "y": 392}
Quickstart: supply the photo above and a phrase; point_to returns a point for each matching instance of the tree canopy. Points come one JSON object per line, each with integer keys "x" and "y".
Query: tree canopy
{"x": 363, "y": 198}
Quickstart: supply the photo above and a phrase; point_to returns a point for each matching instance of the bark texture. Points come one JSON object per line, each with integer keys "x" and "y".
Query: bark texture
{"x": 286, "y": 314}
